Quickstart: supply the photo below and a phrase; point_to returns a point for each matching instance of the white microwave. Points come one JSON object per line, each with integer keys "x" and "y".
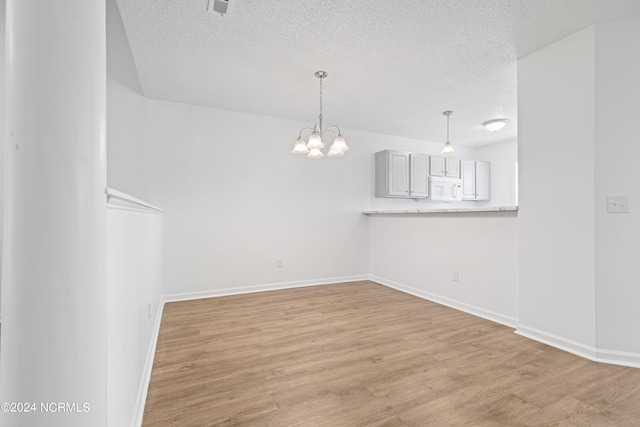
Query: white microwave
{"x": 443, "y": 189}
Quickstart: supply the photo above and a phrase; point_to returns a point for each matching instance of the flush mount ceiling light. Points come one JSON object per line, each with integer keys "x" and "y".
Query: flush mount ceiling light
{"x": 495, "y": 125}
{"x": 314, "y": 145}
{"x": 448, "y": 148}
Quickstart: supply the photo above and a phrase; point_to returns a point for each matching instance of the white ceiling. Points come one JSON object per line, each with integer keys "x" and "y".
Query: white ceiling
{"x": 394, "y": 66}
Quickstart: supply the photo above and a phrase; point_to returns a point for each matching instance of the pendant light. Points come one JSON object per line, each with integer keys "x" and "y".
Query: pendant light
{"x": 314, "y": 145}
{"x": 448, "y": 148}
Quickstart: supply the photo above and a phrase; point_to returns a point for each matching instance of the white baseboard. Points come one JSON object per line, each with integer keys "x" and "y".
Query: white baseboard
{"x": 615, "y": 357}
{"x": 467, "y": 308}
{"x": 138, "y": 412}
{"x": 579, "y": 349}
{"x": 260, "y": 288}
{"x": 143, "y": 389}
{"x": 591, "y": 353}
{"x": 595, "y": 354}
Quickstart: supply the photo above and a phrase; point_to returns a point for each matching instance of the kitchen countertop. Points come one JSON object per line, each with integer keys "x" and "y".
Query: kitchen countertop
{"x": 442, "y": 210}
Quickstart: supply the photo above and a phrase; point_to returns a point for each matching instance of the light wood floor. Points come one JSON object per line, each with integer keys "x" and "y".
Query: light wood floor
{"x": 361, "y": 354}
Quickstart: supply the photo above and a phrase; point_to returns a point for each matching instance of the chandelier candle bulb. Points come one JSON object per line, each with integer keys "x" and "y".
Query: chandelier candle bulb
{"x": 314, "y": 145}
{"x": 300, "y": 147}
{"x": 315, "y": 153}
{"x": 315, "y": 141}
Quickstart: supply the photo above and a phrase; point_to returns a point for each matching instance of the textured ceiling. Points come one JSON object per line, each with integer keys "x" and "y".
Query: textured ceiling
{"x": 394, "y": 66}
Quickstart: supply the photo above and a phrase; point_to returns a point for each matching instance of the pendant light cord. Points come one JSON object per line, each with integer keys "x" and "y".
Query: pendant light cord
{"x": 448, "y": 127}
{"x": 448, "y": 114}
{"x": 320, "y": 117}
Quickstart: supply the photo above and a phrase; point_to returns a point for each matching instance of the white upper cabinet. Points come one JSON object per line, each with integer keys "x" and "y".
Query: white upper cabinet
{"x": 392, "y": 174}
{"x": 468, "y": 180}
{"x": 437, "y": 166}
{"x": 452, "y": 167}
{"x": 483, "y": 180}
{"x": 401, "y": 174}
{"x": 419, "y": 182}
{"x": 444, "y": 166}
{"x": 476, "y": 180}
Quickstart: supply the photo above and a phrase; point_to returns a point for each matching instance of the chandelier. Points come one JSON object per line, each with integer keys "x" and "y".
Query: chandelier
{"x": 313, "y": 146}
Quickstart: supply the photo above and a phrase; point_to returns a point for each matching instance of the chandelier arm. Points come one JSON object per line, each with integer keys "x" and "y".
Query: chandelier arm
{"x": 330, "y": 131}
{"x": 303, "y": 129}
{"x": 334, "y": 127}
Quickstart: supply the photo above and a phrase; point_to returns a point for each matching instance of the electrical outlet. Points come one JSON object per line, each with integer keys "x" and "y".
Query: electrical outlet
{"x": 455, "y": 275}
{"x": 617, "y": 204}
{"x": 279, "y": 263}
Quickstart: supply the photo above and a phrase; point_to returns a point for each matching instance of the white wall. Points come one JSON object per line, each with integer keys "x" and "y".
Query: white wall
{"x": 2, "y": 111}
{"x": 578, "y": 263}
{"x": 54, "y": 284}
{"x": 127, "y": 148}
{"x": 418, "y": 253}
{"x": 617, "y": 152}
{"x": 556, "y": 218}
{"x": 134, "y": 239}
{"x": 237, "y": 200}
{"x": 126, "y": 144}
{"x": 134, "y": 279}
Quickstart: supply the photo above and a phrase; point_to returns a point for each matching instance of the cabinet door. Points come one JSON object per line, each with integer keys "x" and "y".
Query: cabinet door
{"x": 452, "y": 168}
{"x": 392, "y": 173}
{"x": 437, "y": 166}
{"x": 483, "y": 180}
{"x": 419, "y": 185}
{"x": 398, "y": 174}
{"x": 468, "y": 168}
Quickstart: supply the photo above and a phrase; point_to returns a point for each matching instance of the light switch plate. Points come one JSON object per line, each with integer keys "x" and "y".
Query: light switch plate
{"x": 617, "y": 204}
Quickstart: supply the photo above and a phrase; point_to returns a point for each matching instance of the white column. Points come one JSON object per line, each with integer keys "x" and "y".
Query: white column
{"x": 556, "y": 217}
{"x": 53, "y": 348}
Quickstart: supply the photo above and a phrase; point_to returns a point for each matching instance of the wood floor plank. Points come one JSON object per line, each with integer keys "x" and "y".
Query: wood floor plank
{"x": 362, "y": 354}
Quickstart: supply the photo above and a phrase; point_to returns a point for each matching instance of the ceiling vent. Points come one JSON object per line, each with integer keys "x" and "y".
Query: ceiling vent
{"x": 219, "y": 6}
